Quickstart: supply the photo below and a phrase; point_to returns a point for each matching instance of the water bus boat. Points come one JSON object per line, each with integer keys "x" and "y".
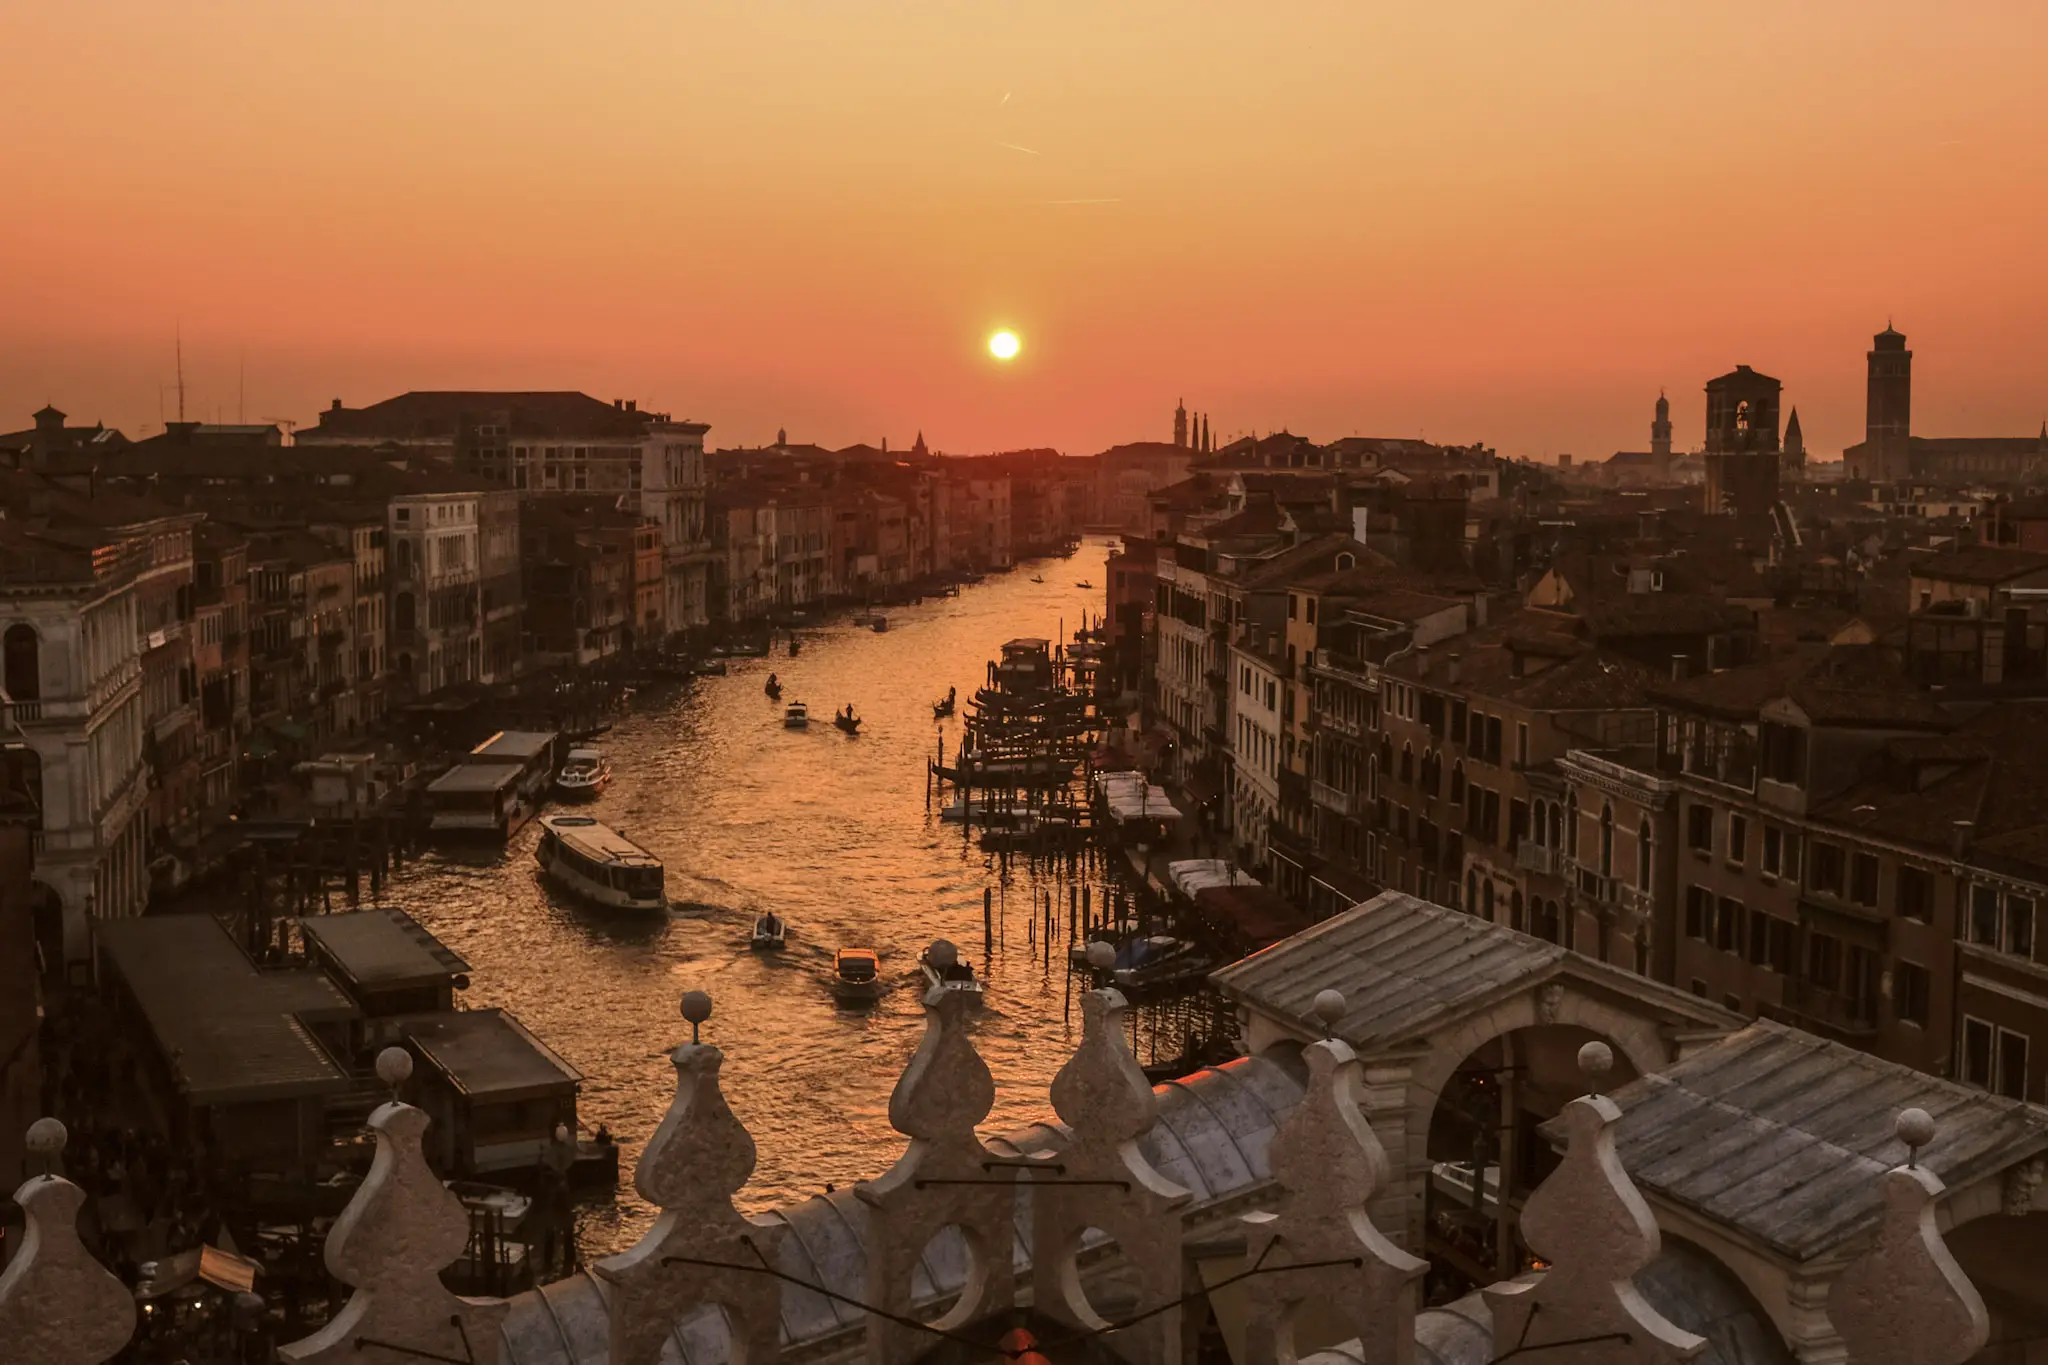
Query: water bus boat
{"x": 856, "y": 976}
{"x": 477, "y": 801}
{"x": 771, "y": 933}
{"x": 796, "y": 716}
{"x": 584, "y": 774}
{"x": 599, "y": 864}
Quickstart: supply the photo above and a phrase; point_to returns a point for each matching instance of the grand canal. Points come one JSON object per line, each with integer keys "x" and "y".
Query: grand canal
{"x": 832, "y": 833}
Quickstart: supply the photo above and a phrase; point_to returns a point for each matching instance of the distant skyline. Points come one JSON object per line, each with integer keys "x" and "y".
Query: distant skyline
{"x": 1506, "y": 223}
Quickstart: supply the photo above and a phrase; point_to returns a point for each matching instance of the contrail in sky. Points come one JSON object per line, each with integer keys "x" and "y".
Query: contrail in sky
{"x": 1015, "y": 148}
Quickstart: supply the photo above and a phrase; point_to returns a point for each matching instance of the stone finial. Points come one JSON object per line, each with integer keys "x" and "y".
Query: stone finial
{"x": 1596, "y": 1064}
{"x": 1594, "y": 1227}
{"x": 1328, "y": 1163}
{"x": 945, "y": 1177}
{"x": 697, "y": 1009}
{"x": 1905, "y": 1301}
{"x": 1329, "y": 1010}
{"x": 697, "y": 1161}
{"x": 58, "y": 1306}
{"x": 390, "y": 1244}
{"x": 1102, "y": 1096}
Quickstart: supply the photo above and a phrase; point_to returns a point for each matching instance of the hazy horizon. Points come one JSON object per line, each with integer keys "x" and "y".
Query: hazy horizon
{"x": 1513, "y": 225}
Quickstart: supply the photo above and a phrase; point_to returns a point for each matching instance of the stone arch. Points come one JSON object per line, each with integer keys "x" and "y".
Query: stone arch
{"x": 21, "y": 669}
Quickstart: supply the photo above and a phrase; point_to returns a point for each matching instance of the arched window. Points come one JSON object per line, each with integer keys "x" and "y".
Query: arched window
{"x": 23, "y": 669}
{"x": 1407, "y": 764}
{"x": 1471, "y": 891}
{"x": 1372, "y": 778}
{"x": 1539, "y": 824}
{"x": 1606, "y": 839}
{"x": 1486, "y": 896}
{"x": 1571, "y": 825}
{"x": 1458, "y": 783}
{"x": 1515, "y": 911}
{"x": 404, "y": 558}
{"x": 1556, "y": 825}
{"x": 1643, "y": 856}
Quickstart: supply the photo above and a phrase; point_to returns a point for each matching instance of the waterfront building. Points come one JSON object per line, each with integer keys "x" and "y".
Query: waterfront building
{"x": 579, "y": 579}
{"x": 436, "y": 619}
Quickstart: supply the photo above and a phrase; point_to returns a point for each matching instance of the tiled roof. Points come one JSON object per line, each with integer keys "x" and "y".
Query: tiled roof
{"x": 1982, "y": 565}
{"x": 1406, "y": 967}
{"x": 436, "y": 414}
{"x": 1783, "y": 1135}
{"x": 1844, "y": 685}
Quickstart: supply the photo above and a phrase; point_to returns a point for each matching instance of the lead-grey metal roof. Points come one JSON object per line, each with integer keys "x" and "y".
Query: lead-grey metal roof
{"x": 1782, "y": 1135}
{"x": 381, "y": 948}
{"x": 1406, "y": 966}
{"x": 1212, "y": 1138}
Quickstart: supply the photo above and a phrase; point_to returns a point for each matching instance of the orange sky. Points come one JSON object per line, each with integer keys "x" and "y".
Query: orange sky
{"x": 1507, "y": 222}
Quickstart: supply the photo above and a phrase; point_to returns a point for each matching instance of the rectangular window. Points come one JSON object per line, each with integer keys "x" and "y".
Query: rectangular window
{"x": 1522, "y": 744}
{"x": 1824, "y": 961}
{"x": 1978, "y": 1038}
{"x": 1824, "y": 869}
{"x": 1773, "y": 848}
{"x": 1493, "y": 739}
{"x": 1699, "y": 828}
{"x": 1759, "y": 938}
{"x": 1983, "y": 921}
{"x": 1698, "y": 908}
{"x": 1916, "y": 892}
{"x": 2012, "y": 1064}
{"x": 1728, "y": 926}
{"x": 1863, "y": 879}
{"x": 1909, "y": 993}
{"x": 1738, "y": 839}
{"x": 2019, "y": 926}
{"x": 1784, "y": 948}
{"x": 1458, "y": 721}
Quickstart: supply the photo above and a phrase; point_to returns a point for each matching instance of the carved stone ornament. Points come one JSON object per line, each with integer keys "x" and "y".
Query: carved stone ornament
{"x": 943, "y": 1093}
{"x": 1906, "y": 1301}
{"x": 1592, "y": 1224}
{"x": 2016, "y": 1197}
{"x": 1328, "y": 1163}
{"x": 58, "y": 1306}
{"x": 390, "y": 1244}
{"x": 1549, "y": 1002}
{"x": 1102, "y": 1096}
{"x": 698, "y": 1159}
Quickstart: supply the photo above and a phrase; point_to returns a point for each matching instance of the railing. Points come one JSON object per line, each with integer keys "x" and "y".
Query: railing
{"x": 24, "y": 712}
{"x": 1534, "y": 857}
{"x": 1343, "y": 725}
{"x": 1330, "y": 798}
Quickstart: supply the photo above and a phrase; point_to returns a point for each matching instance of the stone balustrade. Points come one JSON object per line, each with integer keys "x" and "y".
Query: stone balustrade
{"x": 1311, "y": 1246}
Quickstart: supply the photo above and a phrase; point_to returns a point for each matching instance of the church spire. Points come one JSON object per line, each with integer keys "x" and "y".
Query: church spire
{"x": 1180, "y": 422}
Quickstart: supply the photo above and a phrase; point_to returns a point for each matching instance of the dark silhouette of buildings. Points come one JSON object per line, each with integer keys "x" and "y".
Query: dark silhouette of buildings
{"x": 1742, "y": 441}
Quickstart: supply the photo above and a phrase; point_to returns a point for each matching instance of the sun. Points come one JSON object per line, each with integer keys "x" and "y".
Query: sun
{"x": 1004, "y": 345}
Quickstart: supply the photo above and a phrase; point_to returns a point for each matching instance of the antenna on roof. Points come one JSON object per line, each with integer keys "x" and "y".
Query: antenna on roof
{"x": 241, "y": 388}
{"x": 179, "y": 335}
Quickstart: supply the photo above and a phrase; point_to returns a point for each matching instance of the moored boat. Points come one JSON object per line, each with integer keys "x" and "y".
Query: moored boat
{"x": 856, "y": 976}
{"x": 585, "y": 774}
{"x": 771, "y": 932}
{"x": 796, "y": 716}
{"x": 599, "y": 864}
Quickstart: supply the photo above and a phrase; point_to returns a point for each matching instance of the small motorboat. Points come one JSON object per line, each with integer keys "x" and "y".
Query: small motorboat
{"x": 796, "y": 716}
{"x": 944, "y": 969}
{"x": 771, "y": 932}
{"x": 856, "y": 976}
{"x": 1084, "y": 583}
{"x": 584, "y": 774}
{"x": 847, "y": 721}
{"x": 1038, "y": 578}
{"x": 710, "y": 668}
{"x": 878, "y": 624}
{"x": 773, "y": 688}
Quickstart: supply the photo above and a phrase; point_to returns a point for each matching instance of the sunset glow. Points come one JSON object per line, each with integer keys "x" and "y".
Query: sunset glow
{"x": 1501, "y": 223}
{"x": 1003, "y": 346}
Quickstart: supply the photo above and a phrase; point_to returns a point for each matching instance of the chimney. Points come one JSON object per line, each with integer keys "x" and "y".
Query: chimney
{"x": 633, "y": 405}
{"x": 618, "y": 404}
{"x": 334, "y": 406}
{"x": 1678, "y": 663}
{"x": 1959, "y": 837}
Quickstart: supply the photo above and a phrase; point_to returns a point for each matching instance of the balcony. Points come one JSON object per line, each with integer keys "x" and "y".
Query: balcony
{"x": 1534, "y": 857}
{"x": 1330, "y": 798}
{"x": 24, "y": 712}
{"x": 1340, "y": 725}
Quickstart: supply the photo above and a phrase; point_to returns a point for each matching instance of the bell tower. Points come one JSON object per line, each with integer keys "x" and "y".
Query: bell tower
{"x": 1180, "y": 424}
{"x": 1888, "y": 406}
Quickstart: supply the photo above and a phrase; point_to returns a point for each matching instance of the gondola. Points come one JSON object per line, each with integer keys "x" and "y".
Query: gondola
{"x": 849, "y": 723}
{"x": 942, "y": 709}
{"x": 773, "y": 688}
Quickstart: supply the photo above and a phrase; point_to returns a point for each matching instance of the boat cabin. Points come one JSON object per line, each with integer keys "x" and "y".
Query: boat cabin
{"x": 1026, "y": 664}
{"x": 598, "y": 861}
{"x": 385, "y": 961}
{"x": 480, "y": 800}
{"x": 856, "y": 964}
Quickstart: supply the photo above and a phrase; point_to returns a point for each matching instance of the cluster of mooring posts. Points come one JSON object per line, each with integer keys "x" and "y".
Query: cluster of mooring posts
{"x": 1023, "y": 785}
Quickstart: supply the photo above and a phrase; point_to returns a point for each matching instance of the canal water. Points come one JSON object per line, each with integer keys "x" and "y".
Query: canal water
{"x": 828, "y": 831}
